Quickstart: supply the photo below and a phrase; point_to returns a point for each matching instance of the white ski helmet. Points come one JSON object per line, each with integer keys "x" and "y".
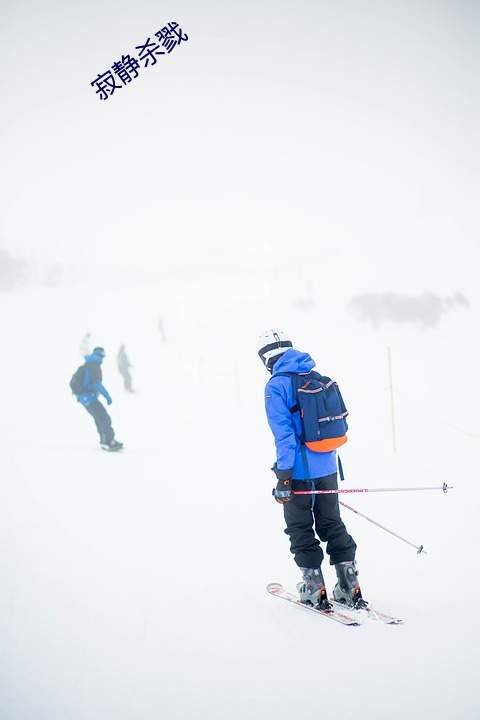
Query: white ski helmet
{"x": 271, "y": 344}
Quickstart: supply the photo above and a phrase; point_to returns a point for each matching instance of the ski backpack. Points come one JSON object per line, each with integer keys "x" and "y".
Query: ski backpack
{"x": 322, "y": 411}
{"x": 78, "y": 378}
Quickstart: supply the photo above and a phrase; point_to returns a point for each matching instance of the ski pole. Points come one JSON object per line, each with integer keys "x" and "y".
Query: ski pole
{"x": 443, "y": 487}
{"x": 419, "y": 548}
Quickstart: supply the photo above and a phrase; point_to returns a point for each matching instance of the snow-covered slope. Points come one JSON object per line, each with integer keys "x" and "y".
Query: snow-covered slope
{"x": 132, "y": 585}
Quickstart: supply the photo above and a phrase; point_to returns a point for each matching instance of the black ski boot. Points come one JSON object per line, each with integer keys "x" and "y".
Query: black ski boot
{"x": 347, "y": 590}
{"x": 312, "y": 589}
{"x": 112, "y": 446}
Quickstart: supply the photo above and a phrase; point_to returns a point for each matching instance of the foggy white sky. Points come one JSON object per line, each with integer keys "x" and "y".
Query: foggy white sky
{"x": 348, "y": 128}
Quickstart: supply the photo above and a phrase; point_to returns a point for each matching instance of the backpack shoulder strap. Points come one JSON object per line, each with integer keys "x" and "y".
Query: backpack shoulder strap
{"x": 86, "y": 376}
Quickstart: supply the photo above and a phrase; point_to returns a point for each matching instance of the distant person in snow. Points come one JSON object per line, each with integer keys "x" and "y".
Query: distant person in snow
{"x": 161, "y": 329}
{"x": 124, "y": 366}
{"x": 304, "y": 466}
{"x": 85, "y": 345}
{"x": 87, "y": 386}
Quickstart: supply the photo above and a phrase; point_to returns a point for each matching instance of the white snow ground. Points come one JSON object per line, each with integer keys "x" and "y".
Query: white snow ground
{"x": 132, "y": 585}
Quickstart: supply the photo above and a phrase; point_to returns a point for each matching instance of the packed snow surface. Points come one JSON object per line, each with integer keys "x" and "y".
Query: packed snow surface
{"x": 133, "y": 584}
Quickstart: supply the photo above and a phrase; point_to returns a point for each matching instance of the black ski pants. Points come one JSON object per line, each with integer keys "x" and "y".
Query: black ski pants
{"x": 102, "y": 421}
{"x": 310, "y": 517}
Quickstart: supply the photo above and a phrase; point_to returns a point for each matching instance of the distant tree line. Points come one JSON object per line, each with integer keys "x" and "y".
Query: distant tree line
{"x": 11, "y": 270}
{"x": 426, "y": 309}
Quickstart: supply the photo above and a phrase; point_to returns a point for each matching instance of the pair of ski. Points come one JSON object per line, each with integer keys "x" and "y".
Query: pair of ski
{"x": 339, "y": 613}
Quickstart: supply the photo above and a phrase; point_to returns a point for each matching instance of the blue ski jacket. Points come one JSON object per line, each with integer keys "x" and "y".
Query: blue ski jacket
{"x": 285, "y": 426}
{"x": 93, "y": 381}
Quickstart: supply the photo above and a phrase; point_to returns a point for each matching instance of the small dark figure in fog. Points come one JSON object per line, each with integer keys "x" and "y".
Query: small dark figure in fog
{"x": 124, "y": 368}
{"x": 161, "y": 329}
{"x": 85, "y": 345}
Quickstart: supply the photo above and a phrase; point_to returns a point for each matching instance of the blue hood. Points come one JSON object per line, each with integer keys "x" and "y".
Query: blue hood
{"x": 294, "y": 361}
{"x": 93, "y": 358}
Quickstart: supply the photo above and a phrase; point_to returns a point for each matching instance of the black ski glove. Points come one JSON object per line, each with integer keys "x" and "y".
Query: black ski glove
{"x": 283, "y": 492}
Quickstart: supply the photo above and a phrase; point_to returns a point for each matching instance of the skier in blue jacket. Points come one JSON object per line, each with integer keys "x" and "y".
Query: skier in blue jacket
{"x": 93, "y": 387}
{"x": 309, "y": 518}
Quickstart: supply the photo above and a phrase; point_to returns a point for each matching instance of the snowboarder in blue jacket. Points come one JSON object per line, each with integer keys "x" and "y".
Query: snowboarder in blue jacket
{"x": 309, "y": 518}
{"x": 92, "y": 388}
